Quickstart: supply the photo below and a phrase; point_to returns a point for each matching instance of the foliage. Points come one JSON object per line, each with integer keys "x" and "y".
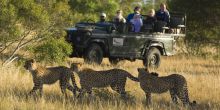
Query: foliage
{"x": 203, "y": 25}
{"x": 25, "y": 22}
{"x": 54, "y": 50}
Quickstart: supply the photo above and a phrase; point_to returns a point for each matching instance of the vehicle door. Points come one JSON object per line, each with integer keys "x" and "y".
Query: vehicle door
{"x": 127, "y": 45}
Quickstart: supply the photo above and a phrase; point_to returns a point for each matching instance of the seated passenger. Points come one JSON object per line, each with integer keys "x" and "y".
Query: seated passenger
{"x": 163, "y": 14}
{"x": 150, "y": 20}
{"x": 137, "y": 23}
{"x": 137, "y": 10}
{"x": 119, "y": 17}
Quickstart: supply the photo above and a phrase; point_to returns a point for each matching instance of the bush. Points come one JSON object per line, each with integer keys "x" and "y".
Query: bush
{"x": 53, "y": 50}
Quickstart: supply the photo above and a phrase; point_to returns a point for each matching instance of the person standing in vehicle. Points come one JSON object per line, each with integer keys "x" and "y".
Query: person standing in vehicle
{"x": 137, "y": 23}
{"x": 137, "y": 10}
{"x": 149, "y": 21}
{"x": 163, "y": 14}
{"x": 119, "y": 17}
{"x": 119, "y": 21}
{"x": 151, "y": 18}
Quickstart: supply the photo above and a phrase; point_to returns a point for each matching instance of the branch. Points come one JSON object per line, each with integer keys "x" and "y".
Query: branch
{"x": 10, "y": 43}
{"x": 21, "y": 45}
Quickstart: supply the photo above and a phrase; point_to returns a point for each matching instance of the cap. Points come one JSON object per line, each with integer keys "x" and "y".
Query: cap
{"x": 137, "y": 8}
{"x": 103, "y": 14}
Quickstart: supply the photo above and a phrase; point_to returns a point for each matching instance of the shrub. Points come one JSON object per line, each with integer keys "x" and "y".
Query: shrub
{"x": 53, "y": 50}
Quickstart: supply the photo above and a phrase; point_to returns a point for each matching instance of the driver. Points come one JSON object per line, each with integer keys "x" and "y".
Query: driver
{"x": 102, "y": 18}
{"x": 103, "y": 23}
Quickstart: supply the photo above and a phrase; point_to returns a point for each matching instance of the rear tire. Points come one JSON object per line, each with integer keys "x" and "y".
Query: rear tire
{"x": 94, "y": 54}
{"x": 152, "y": 58}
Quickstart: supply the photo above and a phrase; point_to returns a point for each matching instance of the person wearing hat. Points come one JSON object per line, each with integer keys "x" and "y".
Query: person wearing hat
{"x": 102, "y": 18}
{"x": 137, "y": 10}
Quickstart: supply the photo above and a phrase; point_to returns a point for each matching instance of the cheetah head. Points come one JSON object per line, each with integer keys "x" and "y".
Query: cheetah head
{"x": 76, "y": 66}
{"x": 143, "y": 71}
{"x": 30, "y": 65}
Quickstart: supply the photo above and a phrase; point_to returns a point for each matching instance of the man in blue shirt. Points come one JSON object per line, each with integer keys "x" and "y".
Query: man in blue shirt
{"x": 137, "y": 10}
{"x": 163, "y": 14}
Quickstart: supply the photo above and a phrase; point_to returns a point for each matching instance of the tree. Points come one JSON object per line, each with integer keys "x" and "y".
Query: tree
{"x": 25, "y": 22}
{"x": 203, "y": 25}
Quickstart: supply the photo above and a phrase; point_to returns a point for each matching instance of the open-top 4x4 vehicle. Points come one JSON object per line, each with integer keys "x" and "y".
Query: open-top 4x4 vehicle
{"x": 93, "y": 41}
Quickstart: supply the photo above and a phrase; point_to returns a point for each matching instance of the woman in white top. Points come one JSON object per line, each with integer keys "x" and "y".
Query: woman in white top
{"x": 119, "y": 17}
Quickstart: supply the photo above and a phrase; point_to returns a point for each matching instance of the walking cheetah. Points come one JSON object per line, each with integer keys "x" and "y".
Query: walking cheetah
{"x": 115, "y": 78}
{"x": 50, "y": 75}
{"x": 175, "y": 83}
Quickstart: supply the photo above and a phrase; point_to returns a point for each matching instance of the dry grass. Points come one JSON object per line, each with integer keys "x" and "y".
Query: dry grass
{"x": 203, "y": 76}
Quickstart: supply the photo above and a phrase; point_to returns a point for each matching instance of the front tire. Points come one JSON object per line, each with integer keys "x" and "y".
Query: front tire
{"x": 94, "y": 54}
{"x": 152, "y": 58}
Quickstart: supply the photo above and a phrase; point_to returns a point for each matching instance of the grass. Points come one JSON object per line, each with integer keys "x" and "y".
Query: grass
{"x": 203, "y": 77}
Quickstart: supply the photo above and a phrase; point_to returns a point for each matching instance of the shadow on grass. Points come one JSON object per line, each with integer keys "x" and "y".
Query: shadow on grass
{"x": 107, "y": 97}
{"x": 104, "y": 97}
{"x": 166, "y": 104}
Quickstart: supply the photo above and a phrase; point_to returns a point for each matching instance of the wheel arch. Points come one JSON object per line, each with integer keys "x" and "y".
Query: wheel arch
{"x": 158, "y": 45}
{"x": 101, "y": 43}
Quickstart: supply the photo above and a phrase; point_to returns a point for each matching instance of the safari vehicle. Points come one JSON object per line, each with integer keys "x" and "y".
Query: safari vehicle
{"x": 93, "y": 41}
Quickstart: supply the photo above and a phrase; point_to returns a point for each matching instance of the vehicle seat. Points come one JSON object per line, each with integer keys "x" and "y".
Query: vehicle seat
{"x": 128, "y": 27}
{"x": 120, "y": 27}
{"x": 177, "y": 24}
{"x": 160, "y": 26}
{"x": 147, "y": 27}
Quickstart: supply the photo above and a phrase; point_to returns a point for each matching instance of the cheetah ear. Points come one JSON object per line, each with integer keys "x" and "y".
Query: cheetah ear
{"x": 146, "y": 69}
{"x": 76, "y": 64}
{"x": 79, "y": 64}
{"x": 32, "y": 60}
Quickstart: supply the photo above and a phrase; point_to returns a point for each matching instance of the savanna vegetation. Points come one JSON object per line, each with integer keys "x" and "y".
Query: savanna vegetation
{"x": 36, "y": 29}
{"x": 202, "y": 75}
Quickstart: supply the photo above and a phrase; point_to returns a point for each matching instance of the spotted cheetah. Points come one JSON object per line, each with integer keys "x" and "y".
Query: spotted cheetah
{"x": 50, "y": 75}
{"x": 115, "y": 78}
{"x": 175, "y": 83}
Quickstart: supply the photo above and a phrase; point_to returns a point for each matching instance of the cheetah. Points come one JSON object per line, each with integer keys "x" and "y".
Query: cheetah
{"x": 115, "y": 78}
{"x": 42, "y": 75}
{"x": 175, "y": 83}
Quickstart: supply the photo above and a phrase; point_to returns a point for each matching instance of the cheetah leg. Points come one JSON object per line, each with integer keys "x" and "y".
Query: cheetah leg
{"x": 114, "y": 87}
{"x": 69, "y": 87}
{"x": 89, "y": 91}
{"x": 183, "y": 95}
{"x": 148, "y": 98}
{"x": 36, "y": 87}
{"x": 63, "y": 87}
{"x": 41, "y": 90}
{"x": 173, "y": 96}
{"x": 121, "y": 88}
{"x": 81, "y": 92}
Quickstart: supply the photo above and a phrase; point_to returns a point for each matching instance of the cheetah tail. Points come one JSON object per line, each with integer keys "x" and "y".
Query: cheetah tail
{"x": 74, "y": 83}
{"x": 132, "y": 77}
